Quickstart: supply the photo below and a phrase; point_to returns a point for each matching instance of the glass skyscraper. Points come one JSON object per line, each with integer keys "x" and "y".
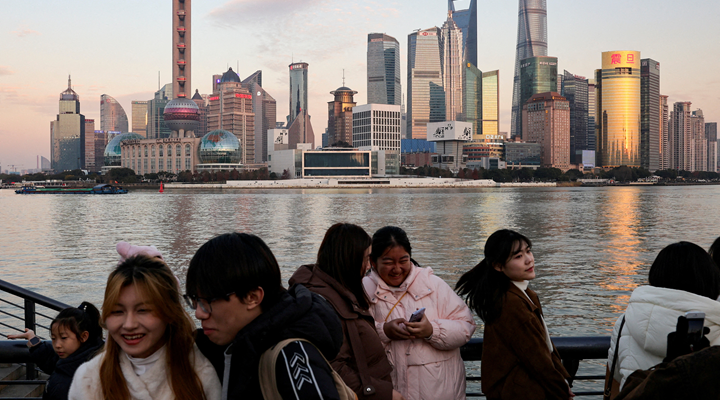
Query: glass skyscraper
{"x": 650, "y": 114}
{"x": 451, "y": 46}
{"x": 472, "y": 97}
{"x": 531, "y": 42}
{"x": 67, "y": 133}
{"x": 383, "y": 70}
{"x": 618, "y": 109}
{"x": 139, "y": 117}
{"x": 298, "y": 90}
{"x": 466, "y": 20}
{"x": 490, "y": 103}
{"x": 537, "y": 75}
{"x": 112, "y": 115}
{"x": 575, "y": 90}
{"x": 426, "y": 96}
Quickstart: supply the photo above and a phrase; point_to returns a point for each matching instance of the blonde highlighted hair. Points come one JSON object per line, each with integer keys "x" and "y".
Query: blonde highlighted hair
{"x": 157, "y": 285}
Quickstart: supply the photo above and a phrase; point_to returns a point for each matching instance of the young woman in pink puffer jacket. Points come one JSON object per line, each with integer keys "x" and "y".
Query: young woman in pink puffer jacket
{"x": 425, "y": 355}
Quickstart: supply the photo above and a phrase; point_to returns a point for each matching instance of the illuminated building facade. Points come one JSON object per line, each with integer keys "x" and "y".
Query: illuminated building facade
{"x": 340, "y": 116}
{"x": 139, "y": 117}
{"x": 537, "y": 75}
{"x": 383, "y": 70}
{"x": 230, "y": 108}
{"x": 490, "y": 103}
{"x": 181, "y": 48}
{"x": 466, "y": 20}
{"x": 546, "y": 120}
{"x": 451, "y": 47}
{"x": 575, "y": 90}
{"x": 531, "y": 42}
{"x": 426, "y": 96}
{"x": 298, "y": 90}
{"x": 618, "y": 110}
{"x": 650, "y": 114}
{"x": 67, "y": 133}
{"x": 112, "y": 115}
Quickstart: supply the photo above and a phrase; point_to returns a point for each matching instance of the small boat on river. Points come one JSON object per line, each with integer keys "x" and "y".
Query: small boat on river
{"x": 99, "y": 189}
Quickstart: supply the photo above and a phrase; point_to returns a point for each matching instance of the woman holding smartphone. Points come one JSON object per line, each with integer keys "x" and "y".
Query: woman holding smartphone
{"x": 519, "y": 361}
{"x": 420, "y": 320}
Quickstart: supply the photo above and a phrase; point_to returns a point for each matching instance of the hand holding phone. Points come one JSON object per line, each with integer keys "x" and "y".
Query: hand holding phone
{"x": 417, "y": 315}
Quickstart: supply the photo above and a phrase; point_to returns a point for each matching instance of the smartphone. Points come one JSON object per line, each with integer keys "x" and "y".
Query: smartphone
{"x": 417, "y": 316}
{"x": 696, "y": 321}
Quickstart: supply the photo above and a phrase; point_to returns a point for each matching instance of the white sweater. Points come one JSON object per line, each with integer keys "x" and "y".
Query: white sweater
{"x": 651, "y": 314}
{"x": 154, "y": 384}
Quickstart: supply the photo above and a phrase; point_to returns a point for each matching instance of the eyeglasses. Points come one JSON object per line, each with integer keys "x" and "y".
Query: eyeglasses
{"x": 205, "y": 304}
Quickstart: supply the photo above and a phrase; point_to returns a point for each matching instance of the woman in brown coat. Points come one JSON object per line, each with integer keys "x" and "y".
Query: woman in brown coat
{"x": 343, "y": 260}
{"x": 519, "y": 360}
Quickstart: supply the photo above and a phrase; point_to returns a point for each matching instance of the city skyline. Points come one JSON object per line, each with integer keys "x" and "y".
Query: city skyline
{"x": 118, "y": 49}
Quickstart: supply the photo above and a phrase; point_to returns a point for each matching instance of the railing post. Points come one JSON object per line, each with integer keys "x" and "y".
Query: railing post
{"x": 30, "y": 373}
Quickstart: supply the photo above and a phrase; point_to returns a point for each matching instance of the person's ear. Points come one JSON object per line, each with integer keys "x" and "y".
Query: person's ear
{"x": 254, "y": 298}
{"x": 84, "y": 336}
{"x": 498, "y": 267}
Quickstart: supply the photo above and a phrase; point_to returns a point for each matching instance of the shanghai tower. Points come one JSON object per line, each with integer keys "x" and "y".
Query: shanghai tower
{"x": 531, "y": 42}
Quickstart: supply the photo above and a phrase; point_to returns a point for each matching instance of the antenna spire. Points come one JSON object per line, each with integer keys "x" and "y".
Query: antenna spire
{"x": 343, "y": 76}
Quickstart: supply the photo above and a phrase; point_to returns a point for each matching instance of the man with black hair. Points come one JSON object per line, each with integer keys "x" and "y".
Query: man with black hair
{"x": 234, "y": 286}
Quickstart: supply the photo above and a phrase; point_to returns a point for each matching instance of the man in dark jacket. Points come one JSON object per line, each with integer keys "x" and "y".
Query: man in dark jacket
{"x": 235, "y": 287}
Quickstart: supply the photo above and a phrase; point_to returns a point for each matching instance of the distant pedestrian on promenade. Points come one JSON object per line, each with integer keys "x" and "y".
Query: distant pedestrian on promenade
{"x": 519, "y": 361}
{"x": 342, "y": 261}
{"x": 683, "y": 278}
{"x": 425, "y": 353}
{"x": 76, "y": 337}
{"x": 150, "y": 352}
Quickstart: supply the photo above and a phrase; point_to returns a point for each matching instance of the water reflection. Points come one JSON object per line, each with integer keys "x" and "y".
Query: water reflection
{"x": 592, "y": 246}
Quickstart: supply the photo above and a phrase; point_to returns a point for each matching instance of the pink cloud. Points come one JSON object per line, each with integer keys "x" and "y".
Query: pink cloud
{"x": 26, "y": 32}
{"x": 5, "y": 70}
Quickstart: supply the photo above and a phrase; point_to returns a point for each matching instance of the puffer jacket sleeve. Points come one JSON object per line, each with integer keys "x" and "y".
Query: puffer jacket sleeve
{"x": 44, "y": 356}
{"x": 455, "y": 325}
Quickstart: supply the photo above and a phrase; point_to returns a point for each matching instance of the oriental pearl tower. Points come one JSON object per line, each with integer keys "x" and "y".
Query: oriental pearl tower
{"x": 181, "y": 114}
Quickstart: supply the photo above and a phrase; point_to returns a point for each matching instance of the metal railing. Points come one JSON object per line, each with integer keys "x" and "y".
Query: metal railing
{"x": 572, "y": 349}
{"x": 25, "y": 304}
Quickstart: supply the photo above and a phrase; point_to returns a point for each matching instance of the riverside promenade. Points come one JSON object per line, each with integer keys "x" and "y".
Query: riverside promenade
{"x": 346, "y": 183}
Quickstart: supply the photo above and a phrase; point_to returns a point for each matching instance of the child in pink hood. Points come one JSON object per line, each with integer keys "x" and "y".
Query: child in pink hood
{"x": 426, "y": 354}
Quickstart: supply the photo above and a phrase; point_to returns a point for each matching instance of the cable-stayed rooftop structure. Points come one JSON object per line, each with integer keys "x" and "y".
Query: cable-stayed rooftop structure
{"x": 531, "y": 42}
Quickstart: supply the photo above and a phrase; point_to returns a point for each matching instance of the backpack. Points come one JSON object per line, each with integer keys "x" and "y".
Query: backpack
{"x": 268, "y": 381}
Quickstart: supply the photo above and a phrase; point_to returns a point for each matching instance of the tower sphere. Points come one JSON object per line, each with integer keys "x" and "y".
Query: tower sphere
{"x": 220, "y": 146}
{"x": 181, "y": 113}
{"x": 112, "y": 150}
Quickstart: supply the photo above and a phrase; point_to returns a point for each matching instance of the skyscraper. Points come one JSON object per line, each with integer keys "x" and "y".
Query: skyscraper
{"x": 711, "y": 135}
{"x": 664, "y": 141}
{"x": 698, "y": 141}
{"x": 265, "y": 109}
{"x": 426, "y": 96}
{"x": 298, "y": 90}
{"x": 383, "y": 70}
{"x": 451, "y": 48}
{"x": 466, "y": 20}
{"x": 112, "y": 115}
{"x": 230, "y": 108}
{"x": 67, "y": 133}
{"x": 575, "y": 90}
{"x": 201, "y": 102}
{"x": 618, "y": 109}
{"x": 531, "y": 42}
{"x": 650, "y": 114}
{"x": 490, "y": 103}
{"x": 546, "y": 120}
{"x": 340, "y": 116}
{"x": 537, "y": 75}
{"x": 473, "y": 97}
{"x": 156, "y": 128}
{"x": 139, "y": 117}
{"x": 681, "y": 131}
{"x": 181, "y": 48}
{"x": 592, "y": 104}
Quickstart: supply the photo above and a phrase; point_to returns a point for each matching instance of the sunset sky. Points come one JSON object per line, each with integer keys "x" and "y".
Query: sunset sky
{"x": 118, "y": 48}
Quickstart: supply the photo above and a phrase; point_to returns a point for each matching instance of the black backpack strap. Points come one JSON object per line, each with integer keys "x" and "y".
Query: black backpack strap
{"x": 608, "y": 384}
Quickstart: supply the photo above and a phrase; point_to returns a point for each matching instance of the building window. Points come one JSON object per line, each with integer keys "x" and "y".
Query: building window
{"x": 160, "y": 150}
{"x": 144, "y": 165}
{"x": 133, "y": 151}
{"x": 146, "y": 153}
{"x": 169, "y": 150}
{"x": 152, "y": 165}
{"x": 178, "y": 150}
{"x": 152, "y": 150}
{"x": 177, "y": 164}
{"x": 187, "y": 150}
{"x": 187, "y": 163}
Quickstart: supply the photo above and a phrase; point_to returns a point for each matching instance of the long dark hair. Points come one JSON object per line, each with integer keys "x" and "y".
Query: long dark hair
{"x": 483, "y": 286}
{"x": 686, "y": 266}
{"x": 341, "y": 256}
{"x": 85, "y": 318}
{"x": 714, "y": 252}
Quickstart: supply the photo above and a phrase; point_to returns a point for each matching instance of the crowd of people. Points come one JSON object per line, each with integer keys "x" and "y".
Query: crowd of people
{"x": 364, "y": 321}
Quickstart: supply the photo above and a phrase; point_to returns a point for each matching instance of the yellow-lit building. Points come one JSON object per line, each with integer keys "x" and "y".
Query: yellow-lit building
{"x": 618, "y": 109}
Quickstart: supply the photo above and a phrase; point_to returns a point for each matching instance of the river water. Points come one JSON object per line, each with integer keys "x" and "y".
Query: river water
{"x": 592, "y": 246}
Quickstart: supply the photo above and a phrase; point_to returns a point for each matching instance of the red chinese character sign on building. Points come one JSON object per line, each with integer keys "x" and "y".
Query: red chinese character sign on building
{"x": 616, "y": 59}
{"x": 630, "y": 58}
